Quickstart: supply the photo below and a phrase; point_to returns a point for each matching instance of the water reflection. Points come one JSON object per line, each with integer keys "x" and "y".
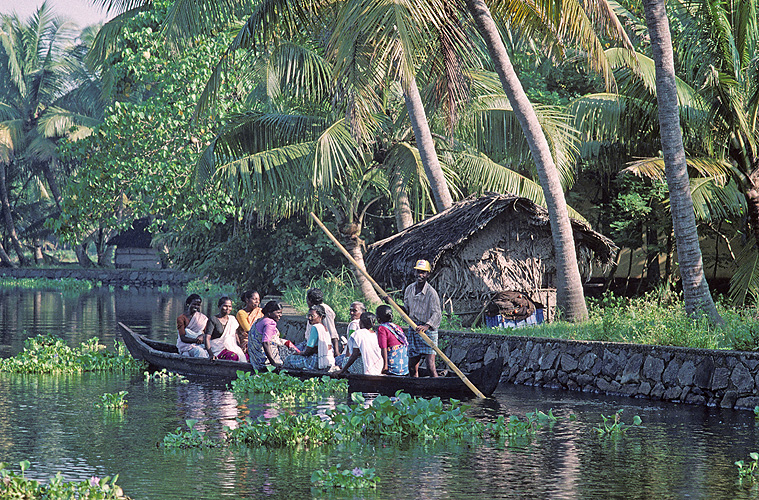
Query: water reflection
{"x": 680, "y": 452}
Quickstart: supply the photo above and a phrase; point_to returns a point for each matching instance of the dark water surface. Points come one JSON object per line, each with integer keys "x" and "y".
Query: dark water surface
{"x": 680, "y": 452}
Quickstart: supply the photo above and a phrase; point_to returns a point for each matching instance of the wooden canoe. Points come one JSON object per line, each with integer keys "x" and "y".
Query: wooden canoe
{"x": 160, "y": 355}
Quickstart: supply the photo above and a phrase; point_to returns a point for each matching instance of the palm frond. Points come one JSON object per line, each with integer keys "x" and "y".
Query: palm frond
{"x": 107, "y": 39}
{"x": 745, "y": 281}
{"x": 482, "y": 175}
{"x": 713, "y": 201}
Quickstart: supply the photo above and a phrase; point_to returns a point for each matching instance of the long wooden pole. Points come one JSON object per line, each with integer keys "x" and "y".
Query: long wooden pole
{"x": 398, "y": 308}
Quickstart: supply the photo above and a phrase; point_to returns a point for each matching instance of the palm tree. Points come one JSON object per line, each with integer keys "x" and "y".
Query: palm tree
{"x": 569, "y": 294}
{"x": 36, "y": 104}
{"x": 695, "y": 288}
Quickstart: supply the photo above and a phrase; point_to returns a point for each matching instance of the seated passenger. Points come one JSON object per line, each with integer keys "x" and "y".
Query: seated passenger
{"x": 247, "y": 316}
{"x": 366, "y": 356}
{"x": 355, "y": 313}
{"x": 392, "y": 342}
{"x": 315, "y": 297}
{"x": 190, "y": 326}
{"x": 264, "y": 343}
{"x": 221, "y": 338}
{"x": 318, "y": 353}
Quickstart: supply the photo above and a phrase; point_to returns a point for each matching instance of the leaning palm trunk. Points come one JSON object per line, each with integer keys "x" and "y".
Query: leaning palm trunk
{"x": 401, "y": 204}
{"x": 695, "y": 288}
{"x": 426, "y": 145}
{"x": 570, "y": 298}
{"x": 8, "y": 216}
{"x": 353, "y": 246}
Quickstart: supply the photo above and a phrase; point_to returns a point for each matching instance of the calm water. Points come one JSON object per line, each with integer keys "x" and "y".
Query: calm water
{"x": 681, "y": 452}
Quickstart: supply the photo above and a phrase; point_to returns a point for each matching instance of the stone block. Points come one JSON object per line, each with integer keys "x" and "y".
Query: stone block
{"x": 729, "y": 399}
{"x": 669, "y": 377}
{"x": 720, "y": 379}
{"x": 607, "y": 386}
{"x": 610, "y": 366}
{"x": 672, "y": 393}
{"x": 644, "y": 389}
{"x": 562, "y": 377}
{"x": 587, "y": 361}
{"x": 549, "y": 357}
{"x": 476, "y": 353}
{"x": 748, "y": 403}
{"x": 653, "y": 367}
{"x": 686, "y": 373}
{"x": 742, "y": 379}
{"x": 704, "y": 371}
{"x": 491, "y": 354}
{"x": 585, "y": 380}
{"x": 632, "y": 369}
{"x": 658, "y": 391}
{"x": 458, "y": 354}
{"x": 568, "y": 362}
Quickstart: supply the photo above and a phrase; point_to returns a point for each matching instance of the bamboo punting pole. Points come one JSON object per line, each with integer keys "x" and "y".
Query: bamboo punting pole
{"x": 398, "y": 308}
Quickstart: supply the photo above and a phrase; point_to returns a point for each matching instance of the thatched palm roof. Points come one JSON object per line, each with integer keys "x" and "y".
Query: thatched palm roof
{"x": 431, "y": 238}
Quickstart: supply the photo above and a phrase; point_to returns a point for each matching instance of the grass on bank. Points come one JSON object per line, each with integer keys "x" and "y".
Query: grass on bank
{"x": 657, "y": 318}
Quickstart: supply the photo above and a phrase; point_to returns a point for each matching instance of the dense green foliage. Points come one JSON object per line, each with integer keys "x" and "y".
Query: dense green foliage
{"x": 139, "y": 161}
{"x": 50, "y": 354}
{"x": 284, "y": 387}
{"x": 338, "y": 288}
{"x": 285, "y": 430}
{"x": 13, "y": 486}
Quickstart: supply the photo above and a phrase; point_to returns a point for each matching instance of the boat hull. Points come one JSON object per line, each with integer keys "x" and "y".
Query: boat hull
{"x": 160, "y": 355}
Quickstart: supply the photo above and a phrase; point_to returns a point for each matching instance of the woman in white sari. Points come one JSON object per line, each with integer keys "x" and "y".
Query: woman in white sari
{"x": 221, "y": 337}
{"x": 191, "y": 325}
{"x": 319, "y": 353}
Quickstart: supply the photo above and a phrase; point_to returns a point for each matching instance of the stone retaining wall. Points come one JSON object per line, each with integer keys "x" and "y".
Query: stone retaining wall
{"x": 728, "y": 379}
{"x": 133, "y": 277}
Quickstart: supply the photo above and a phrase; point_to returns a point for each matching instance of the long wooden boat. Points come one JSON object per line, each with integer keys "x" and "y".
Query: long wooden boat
{"x": 160, "y": 355}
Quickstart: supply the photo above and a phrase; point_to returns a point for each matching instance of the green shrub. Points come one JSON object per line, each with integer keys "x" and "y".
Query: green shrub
{"x": 339, "y": 292}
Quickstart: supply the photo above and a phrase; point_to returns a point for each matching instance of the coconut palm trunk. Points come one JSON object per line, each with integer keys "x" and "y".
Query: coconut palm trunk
{"x": 5, "y": 258}
{"x": 570, "y": 298}
{"x": 426, "y": 145}
{"x": 695, "y": 288}
{"x": 353, "y": 246}
{"x": 8, "y": 216}
{"x": 401, "y": 203}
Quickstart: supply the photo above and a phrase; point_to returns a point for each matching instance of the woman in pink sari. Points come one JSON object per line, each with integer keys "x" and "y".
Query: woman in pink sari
{"x": 191, "y": 325}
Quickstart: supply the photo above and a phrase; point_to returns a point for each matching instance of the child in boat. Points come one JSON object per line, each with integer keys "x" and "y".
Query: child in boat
{"x": 318, "y": 353}
{"x": 392, "y": 343}
{"x": 357, "y": 308}
{"x": 190, "y": 327}
{"x": 366, "y": 356}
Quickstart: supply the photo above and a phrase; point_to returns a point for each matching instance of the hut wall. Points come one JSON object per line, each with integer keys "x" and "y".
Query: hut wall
{"x": 507, "y": 254}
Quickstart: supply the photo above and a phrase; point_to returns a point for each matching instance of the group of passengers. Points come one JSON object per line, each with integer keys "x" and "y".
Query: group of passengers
{"x": 375, "y": 345}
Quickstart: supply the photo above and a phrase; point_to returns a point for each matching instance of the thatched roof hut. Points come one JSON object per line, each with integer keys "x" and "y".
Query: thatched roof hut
{"x": 483, "y": 245}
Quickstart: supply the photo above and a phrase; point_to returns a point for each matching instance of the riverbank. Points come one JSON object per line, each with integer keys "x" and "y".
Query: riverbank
{"x": 118, "y": 277}
{"x": 712, "y": 377}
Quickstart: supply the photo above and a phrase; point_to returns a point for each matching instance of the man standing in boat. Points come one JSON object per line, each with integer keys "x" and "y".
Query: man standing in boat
{"x": 423, "y": 307}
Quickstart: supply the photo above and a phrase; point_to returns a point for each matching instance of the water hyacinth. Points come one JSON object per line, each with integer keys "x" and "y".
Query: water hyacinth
{"x": 335, "y": 477}
{"x": 286, "y": 387}
{"x": 13, "y": 485}
{"x": 50, "y": 354}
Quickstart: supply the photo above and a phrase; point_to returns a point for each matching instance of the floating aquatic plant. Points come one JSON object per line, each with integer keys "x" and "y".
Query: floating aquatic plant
{"x": 13, "y": 485}
{"x": 112, "y": 401}
{"x": 191, "y": 438}
{"x": 747, "y": 470}
{"x": 613, "y": 425}
{"x": 289, "y": 429}
{"x": 283, "y": 387}
{"x": 354, "y": 478}
{"x": 50, "y": 354}
{"x": 165, "y": 376}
